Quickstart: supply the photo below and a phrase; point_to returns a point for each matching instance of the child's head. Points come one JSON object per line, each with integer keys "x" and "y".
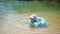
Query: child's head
{"x": 33, "y": 17}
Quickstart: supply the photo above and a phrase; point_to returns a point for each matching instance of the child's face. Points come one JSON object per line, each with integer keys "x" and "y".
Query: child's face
{"x": 32, "y": 19}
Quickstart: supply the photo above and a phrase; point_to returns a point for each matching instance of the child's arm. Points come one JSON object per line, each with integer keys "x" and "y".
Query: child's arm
{"x": 36, "y": 24}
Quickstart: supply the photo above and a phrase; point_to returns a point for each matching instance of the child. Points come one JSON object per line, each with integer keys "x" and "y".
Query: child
{"x": 36, "y": 21}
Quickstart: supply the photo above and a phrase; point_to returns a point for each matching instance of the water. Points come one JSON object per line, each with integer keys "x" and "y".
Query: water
{"x": 14, "y": 16}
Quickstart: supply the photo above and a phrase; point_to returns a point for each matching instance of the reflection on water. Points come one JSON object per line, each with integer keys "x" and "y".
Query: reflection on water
{"x": 13, "y": 23}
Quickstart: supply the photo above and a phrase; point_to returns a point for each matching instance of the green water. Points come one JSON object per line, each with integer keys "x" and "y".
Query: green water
{"x": 10, "y": 17}
{"x": 32, "y": 7}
